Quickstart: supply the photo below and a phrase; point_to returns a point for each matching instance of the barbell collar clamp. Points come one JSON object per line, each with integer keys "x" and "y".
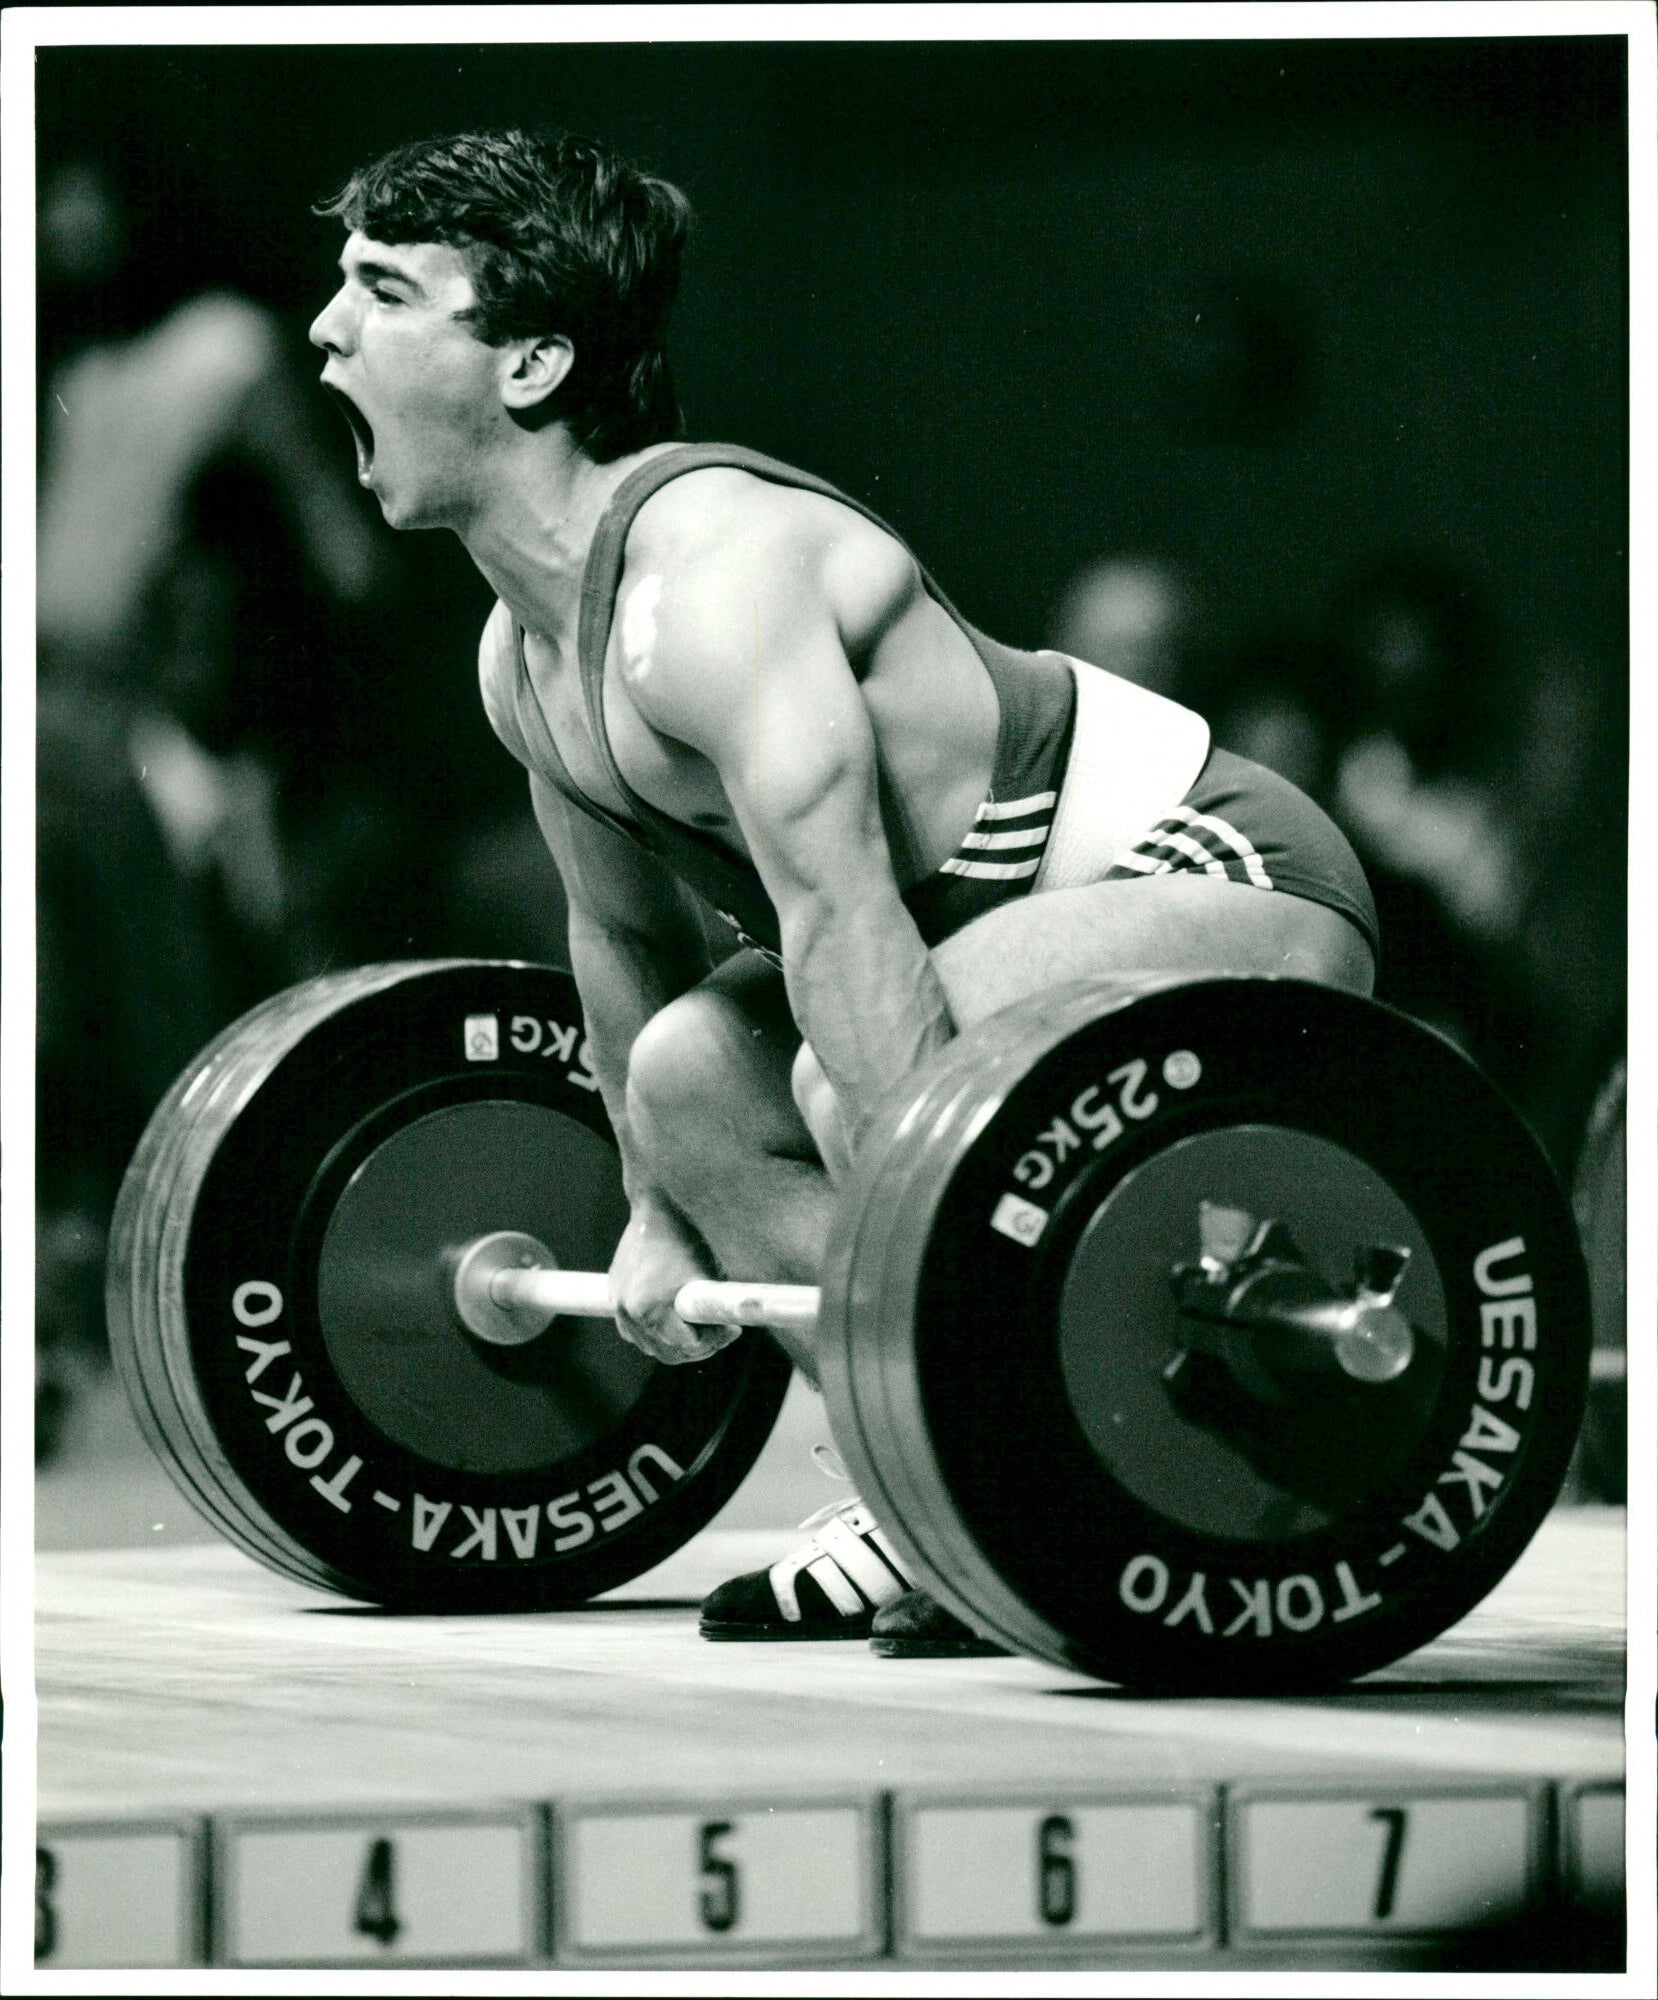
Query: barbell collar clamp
{"x": 1262, "y": 1309}
{"x": 483, "y": 1297}
{"x": 509, "y": 1288}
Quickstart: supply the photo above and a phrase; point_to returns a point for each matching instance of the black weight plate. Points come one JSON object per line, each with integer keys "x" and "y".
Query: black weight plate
{"x": 241, "y": 1061}
{"x": 260, "y": 1041}
{"x": 385, "y": 1285}
{"x": 1600, "y": 1204}
{"x": 979, "y": 1397}
{"x": 131, "y": 1284}
{"x": 143, "y": 1293}
{"x": 604, "y": 1464}
{"x": 1224, "y": 1462}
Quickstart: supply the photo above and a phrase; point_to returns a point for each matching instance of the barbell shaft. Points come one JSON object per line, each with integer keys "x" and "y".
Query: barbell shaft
{"x": 702, "y": 1302}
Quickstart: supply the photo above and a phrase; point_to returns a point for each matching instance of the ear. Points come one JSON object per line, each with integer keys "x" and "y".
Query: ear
{"x": 533, "y": 369}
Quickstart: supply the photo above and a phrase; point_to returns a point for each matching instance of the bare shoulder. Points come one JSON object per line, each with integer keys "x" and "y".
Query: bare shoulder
{"x": 495, "y": 643}
{"x": 714, "y": 549}
{"x": 496, "y": 666}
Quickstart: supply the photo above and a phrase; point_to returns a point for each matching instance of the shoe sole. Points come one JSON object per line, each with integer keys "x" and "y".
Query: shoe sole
{"x": 938, "y": 1649}
{"x": 769, "y": 1634}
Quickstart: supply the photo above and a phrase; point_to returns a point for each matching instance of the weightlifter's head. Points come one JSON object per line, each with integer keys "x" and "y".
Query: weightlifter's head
{"x": 495, "y": 283}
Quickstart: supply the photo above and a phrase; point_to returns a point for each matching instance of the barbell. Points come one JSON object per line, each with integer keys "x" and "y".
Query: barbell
{"x": 509, "y": 1288}
{"x": 1230, "y": 1334}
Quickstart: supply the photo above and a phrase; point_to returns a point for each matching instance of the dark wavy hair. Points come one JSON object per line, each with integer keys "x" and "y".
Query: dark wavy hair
{"x": 559, "y": 236}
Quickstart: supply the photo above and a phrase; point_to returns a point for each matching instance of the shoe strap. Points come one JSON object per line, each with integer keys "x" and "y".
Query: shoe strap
{"x": 849, "y": 1559}
{"x": 851, "y": 1545}
{"x": 825, "y": 1513}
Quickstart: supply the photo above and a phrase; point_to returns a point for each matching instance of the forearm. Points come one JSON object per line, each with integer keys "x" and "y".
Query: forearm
{"x": 864, "y": 992}
{"x": 635, "y": 944}
{"x": 625, "y": 978}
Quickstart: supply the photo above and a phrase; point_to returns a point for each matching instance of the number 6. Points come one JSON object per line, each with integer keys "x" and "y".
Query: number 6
{"x": 46, "y": 1917}
{"x": 1056, "y": 1877}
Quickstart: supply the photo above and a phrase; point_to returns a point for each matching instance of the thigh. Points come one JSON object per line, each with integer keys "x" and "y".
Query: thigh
{"x": 1185, "y": 924}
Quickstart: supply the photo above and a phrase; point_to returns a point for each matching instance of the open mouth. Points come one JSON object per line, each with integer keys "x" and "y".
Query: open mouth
{"x": 362, "y": 431}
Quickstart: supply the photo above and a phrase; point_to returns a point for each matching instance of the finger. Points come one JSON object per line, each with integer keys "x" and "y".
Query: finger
{"x": 667, "y": 1337}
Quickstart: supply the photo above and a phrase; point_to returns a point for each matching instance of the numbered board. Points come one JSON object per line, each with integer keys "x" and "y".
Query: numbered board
{"x": 785, "y": 1882}
{"x": 127, "y": 1895}
{"x": 1382, "y": 1863}
{"x": 1191, "y": 1876}
{"x": 1042, "y": 1879}
{"x": 1592, "y": 1836}
{"x": 398, "y": 1889}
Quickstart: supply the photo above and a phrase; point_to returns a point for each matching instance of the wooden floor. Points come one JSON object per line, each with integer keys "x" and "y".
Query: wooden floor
{"x": 194, "y": 1679}
{"x": 186, "y": 1681}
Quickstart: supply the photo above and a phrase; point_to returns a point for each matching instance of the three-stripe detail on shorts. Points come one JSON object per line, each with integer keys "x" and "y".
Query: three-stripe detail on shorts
{"x": 1007, "y": 839}
{"x": 1204, "y": 842}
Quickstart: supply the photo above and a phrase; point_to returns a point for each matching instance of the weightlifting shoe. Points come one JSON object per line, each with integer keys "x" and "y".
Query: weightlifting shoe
{"x": 829, "y": 1588}
{"x": 917, "y": 1627}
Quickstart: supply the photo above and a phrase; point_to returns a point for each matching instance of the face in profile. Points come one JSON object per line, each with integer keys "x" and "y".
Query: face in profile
{"x": 420, "y": 391}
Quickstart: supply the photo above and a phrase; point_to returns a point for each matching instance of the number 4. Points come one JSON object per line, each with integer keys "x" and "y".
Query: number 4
{"x": 376, "y": 1912}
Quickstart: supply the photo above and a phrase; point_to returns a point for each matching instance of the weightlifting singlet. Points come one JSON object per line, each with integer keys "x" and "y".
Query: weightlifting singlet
{"x": 1000, "y": 855}
{"x": 1094, "y": 779}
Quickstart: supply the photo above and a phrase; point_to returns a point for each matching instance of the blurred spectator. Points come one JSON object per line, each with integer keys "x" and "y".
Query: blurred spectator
{"x": 1270, "y": 702}
{"x": 1134, "y": 616}
{"x": 186, "y": 512}
{"x": 1569, "y": 797}
{"x": 1423, "y": 749}
{"x": 1486, "y": 797}
{"x": 134, "y": 416}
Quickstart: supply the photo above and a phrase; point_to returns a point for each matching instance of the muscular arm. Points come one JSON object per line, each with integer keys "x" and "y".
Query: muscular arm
{"x": 634, "y": 946}
{"x": 748, "y": 666}
{"x": 634, "y": 942}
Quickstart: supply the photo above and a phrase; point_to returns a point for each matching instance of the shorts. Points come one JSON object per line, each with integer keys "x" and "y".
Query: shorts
{"x": 1246, "y": 824}
{"x": 1144, "y": 793}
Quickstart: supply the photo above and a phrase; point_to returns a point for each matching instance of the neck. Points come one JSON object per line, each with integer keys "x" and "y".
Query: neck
{"x": 530, "y": 535}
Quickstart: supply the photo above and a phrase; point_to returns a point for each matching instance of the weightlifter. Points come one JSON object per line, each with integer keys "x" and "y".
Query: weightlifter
{"x": 729, "y": 682}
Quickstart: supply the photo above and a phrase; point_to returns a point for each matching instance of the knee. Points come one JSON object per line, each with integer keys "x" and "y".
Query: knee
{"x": 674, "y": 1077}
{"x": 1324, "y": 946}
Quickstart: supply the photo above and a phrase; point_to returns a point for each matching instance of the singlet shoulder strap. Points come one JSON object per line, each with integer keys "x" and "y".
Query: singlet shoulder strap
{"x": 607, "y": 551}
{"x": 544, "y": 752}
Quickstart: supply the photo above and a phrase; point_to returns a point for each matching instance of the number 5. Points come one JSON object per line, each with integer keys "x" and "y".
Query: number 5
{"x": 719, "y": 1903}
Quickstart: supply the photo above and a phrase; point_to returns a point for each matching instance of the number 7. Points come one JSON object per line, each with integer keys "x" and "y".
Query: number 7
{"x": 1393, "y": 1818}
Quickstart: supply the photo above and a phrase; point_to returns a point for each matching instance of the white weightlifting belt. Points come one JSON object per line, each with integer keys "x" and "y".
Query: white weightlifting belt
{"x": 1134, "y": 756}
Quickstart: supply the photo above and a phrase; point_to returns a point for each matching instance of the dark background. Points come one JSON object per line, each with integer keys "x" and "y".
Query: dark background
{"x": 1268, "y": 315}
{"x": 967, "y": 282}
